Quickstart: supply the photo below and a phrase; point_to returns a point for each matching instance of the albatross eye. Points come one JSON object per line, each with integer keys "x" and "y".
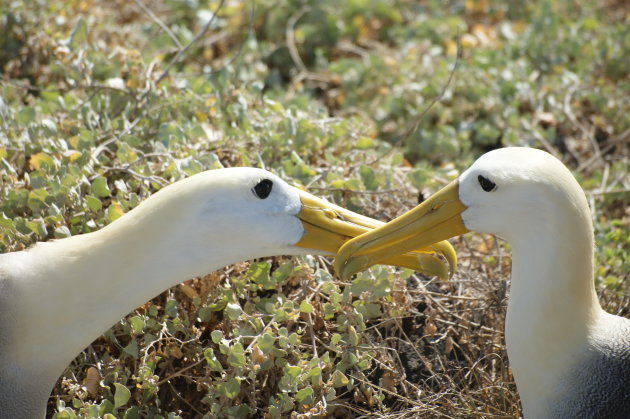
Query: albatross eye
{"x": 486, "y": 184}
{"x": 263, "y": 188}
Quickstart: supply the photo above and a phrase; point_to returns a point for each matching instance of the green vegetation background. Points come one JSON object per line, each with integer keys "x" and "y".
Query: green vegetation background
{"x": 104, "y": 102}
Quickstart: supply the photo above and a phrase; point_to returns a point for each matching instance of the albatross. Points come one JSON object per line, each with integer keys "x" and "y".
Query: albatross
{"x": 569, "y": 357}
{"x": 57, "y": 297}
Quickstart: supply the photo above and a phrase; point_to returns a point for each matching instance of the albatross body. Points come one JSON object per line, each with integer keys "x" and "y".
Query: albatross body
{"x": 570, "y": 358}
{"x": 57, "y": 297}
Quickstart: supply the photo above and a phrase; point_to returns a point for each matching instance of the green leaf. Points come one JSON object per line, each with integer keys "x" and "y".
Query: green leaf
{"x": 26, "y": 115}
{"x": 353, "y": 337}
{"x": 231, "y": 388}
{"x": 361, "y": 284}
{"x": 38, "y": 227}
{"x": 293, "y": 371}
{"x": 233, "y": 311}
{"x": 329, "y": 311}
{"x": 79, "y": 35}
{"x": 171, "y": 308}
{"x": 137, "y": 324}
{"x": 39, "y": 195}
{"x": 294, "y": 338}
{"x": 132, "y": 349}
{"x": 305, "y": 396}
{"x": 241, "y": 411}
{"x": 42, "y": 161}
{"x": 7, "y": 166}
{"x": 266, "y": 342}
{"x": 100, "y": 188}
{"x": 218, "y": 305}
{"x": 418, "y": 178}
{"x": 370, "y": 310}
{"x": 316, "y": 376}
{"x": 114, "y": 211}
{"x": 121, "y": 395}
{"x": 5, "y": 221}
{"x": 212, "y": 360}
{"x": 364, "y": 143}
{"x": 282, "y": 272}
{"x": 37, "y": 200}
{"x": 236, "y": 356}
{"x": 65, "y": 414}
{"x": 216, "y": 336}
{"x": 259, "y": 273}
{"x": 106, "y": 408}
{"x": 368, "y": 177}
{"x": 205, "y": 314}
{"x": 306, "y": 307}
{"x": 62, "y": 232}
{"x": 339, "y": 379}
{"x": 93, "y": 203}
{"x": 132, "y": 413}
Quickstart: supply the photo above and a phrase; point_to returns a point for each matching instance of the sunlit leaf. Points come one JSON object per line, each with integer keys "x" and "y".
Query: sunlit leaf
{"x": 100, "y": 188}
{"x": 305, "y": 396}
{"x": 231, "y": 388}
{"x": 339, "y": 379}
{"x": 114, "y": 211}
{"x": 212, "y": 360}
{"x": 121, "y": 395}
{"x": 306, "y": 307}
{"x": 93, "y": 203}
{"x": 236, "y": 356}
{"x": 233, "y": 311}
{"x": 41, "y": 160}
{"x": 26, "y": 115}
{"x": 79, "y": 35}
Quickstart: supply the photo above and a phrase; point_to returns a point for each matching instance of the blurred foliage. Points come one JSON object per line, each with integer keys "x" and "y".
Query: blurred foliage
{"x": 323, "y": 94}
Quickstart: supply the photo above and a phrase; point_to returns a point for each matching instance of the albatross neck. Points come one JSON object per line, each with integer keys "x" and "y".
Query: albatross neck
{"x": 70, "y": 291}
{"x": 82, "y": 285}
{"x": 553, "y": 305}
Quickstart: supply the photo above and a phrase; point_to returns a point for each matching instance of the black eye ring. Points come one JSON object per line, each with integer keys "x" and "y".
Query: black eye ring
{"x": 263, "y": 188}
{"x": 486, "y": 184}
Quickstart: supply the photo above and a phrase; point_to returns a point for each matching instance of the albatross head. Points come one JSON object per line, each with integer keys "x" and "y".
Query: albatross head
{"x": 511, "y": 192}
{"x": 245, "y": 213}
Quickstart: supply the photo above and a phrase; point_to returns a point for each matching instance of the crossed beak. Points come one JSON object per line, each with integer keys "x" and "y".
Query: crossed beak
{"x": 424, "y": 227}
{"x": 327, "y": 227}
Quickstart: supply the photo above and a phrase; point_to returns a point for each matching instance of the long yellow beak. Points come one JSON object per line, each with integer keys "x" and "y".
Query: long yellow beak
{"x": 436, "y": 219}
{"x": 327, "y": 227}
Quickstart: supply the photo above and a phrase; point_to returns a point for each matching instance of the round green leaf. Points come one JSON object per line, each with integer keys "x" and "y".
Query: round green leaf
{"x": 121, "y": 395}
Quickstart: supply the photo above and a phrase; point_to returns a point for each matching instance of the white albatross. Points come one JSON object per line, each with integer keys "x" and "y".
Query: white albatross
{"x": 570, "y": 358}
{"x": 57, "y": 297}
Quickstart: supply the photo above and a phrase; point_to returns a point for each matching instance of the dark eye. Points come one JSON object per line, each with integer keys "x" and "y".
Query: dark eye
{"x": 263, "y": 188}
{"x": 486, "y": 184}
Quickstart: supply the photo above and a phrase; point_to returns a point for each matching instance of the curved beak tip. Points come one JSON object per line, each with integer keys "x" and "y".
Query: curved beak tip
{"x": 441, "y": 263}
{"x": 417, "y": 238}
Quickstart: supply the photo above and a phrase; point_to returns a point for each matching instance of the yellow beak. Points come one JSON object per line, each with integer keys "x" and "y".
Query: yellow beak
{"x": 327, "y": 227}
{"x": 436, "y": 219}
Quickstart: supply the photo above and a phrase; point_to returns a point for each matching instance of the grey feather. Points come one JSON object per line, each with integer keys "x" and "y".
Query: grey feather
{"x": 599, "y": 386}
